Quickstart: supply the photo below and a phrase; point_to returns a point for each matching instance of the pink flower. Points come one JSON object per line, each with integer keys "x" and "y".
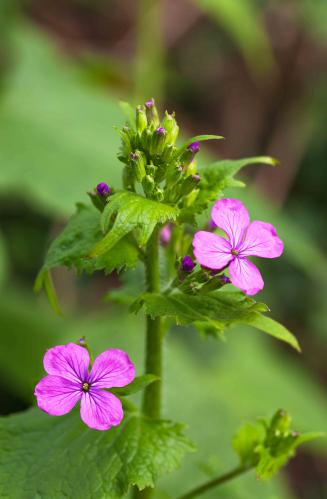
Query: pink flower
{"x": 243, "y": 239}
{"x": 69, "y": 381}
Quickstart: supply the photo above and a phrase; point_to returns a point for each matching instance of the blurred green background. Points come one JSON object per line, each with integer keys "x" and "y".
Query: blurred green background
{"x": 251, "y": 70}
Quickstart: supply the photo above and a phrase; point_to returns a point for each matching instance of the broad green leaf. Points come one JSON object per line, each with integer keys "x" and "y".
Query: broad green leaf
{"x": 73, "y": 245}
{"x": 43, "y": 456}
{"x": 241, "y": 20}
{"x": 134, "y": 213}
{"x": 139, "y": 383}
{"x": 56, "y": 131}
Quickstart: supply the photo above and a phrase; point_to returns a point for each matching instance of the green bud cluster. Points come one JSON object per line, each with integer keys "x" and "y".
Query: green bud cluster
{"x": 154, "y": 165}
{"x": 280, "y": 438}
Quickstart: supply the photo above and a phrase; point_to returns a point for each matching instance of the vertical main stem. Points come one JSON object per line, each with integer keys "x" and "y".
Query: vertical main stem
{"x": 154, "y": 344}
{"x": 154, "y": 333}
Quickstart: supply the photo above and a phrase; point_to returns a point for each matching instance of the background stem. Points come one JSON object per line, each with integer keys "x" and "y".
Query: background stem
{"x": 214, "y": 483}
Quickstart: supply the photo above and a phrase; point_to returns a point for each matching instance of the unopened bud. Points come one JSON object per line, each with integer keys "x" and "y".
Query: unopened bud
{"x": 141, "y": 119}
{"x": 151, "y": 112}
{"x": 187, "y": 264}
{"x": 138, "y": 163}
{"x": 158, "y": 141}
{"x": 172, "y": 129}
{"x": 103, "y": 189}
{"x": 148, "y": 185}
{"x": 189, "y": 184}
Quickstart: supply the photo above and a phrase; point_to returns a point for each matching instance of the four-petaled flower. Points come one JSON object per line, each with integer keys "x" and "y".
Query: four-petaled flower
{"x": 243, "y": 239}
{"x": 69, "y": 381}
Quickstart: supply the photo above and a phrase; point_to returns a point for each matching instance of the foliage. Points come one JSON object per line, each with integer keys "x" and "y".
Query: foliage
{"x": 268, "y": 445}
{"x": 64, "y": 459}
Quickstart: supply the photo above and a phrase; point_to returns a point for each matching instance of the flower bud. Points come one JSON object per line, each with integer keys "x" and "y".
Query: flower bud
{"x": 194, "y": 147}
{"x": 141, "y": 119}
{"x": 138, "y": 163}
{"x": 165, "y": 235}
{"x": 148, "y": 185}
{"x": 187, "y": 264}
{"x": 172, "y": 129}
{"x": 189, "y": 154}
{"x": 103, "y": 189}
{"x": 189, "y": 184}
{"x": 158, "y": 141}
{"x": 224, "y": 279}
{"x": 151, "y": 112}
{"x": 158, "y": 194}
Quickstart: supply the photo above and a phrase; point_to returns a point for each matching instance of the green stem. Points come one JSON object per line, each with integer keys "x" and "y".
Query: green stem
{"x": 214, "y": 483}
{"x": 154, "y": 342}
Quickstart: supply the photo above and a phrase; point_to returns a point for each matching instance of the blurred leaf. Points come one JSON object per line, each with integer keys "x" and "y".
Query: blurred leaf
{"x": 246, "y": 441}
{"x": 56, "y": 133}
{"x": 241, "y": 20}
{"x": 4, "y": 261}
{"x": 133, "y": 212}
{"x": 37, "y": 452}
{"x": 139, "y": 383}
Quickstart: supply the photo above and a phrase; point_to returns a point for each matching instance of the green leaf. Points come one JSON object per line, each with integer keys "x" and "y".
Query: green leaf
{"x": 129, "y": 112}
{"x": 213, "y": 312}
{"x": 134, "y": 213}
{"x": 274, "y": 328}
{"x": 246, "y": 441}
{"x": 56, "y": 130}
{"x": 44, "y": 456}
{"x": 73, "y": 245}
{"x": 139, "y": 383}
{"x": 200, "y": 138}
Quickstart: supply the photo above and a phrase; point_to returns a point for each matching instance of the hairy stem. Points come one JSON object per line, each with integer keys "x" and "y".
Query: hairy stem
{"x": 214, "y": 483}
{"x": 154, "y": 341}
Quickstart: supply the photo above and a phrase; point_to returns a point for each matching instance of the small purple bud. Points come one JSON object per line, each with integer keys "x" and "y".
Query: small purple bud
{"x": 165, "y": 235}
{"x": 149, "y": 103}
{"x": 134, "y": 156}
{"x": 187, "y": 264}
{"x": 161, "y": 130}
{"x": 82, "y": 342}
{"x": 224, "y": 279}
{"x": 196, "y": 177}
{"x": 103, "y": 189}
{"x": 194, "y": 147}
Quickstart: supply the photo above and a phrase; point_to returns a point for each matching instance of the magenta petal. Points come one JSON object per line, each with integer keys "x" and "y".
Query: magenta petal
{"x": 112, "y": 368}
{"x": 101, "y": 410}
{"x": 211, "y": 250}
{"x": 246, "y": 276}
{"x": 56, "y": 395}
{"x": 232, "y": 217}
{"x": 261, "y": 240}
{"x": 69, "y": 361}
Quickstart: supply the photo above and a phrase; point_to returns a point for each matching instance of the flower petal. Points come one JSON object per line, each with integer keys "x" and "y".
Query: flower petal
{"x": 261, "y": 240}
{"x": 246, "y": 276}
{"x": 112, "y": 368}
{"x": 101, "y": 410}
{"x": 56, "y": 395}
{"x": 232, "y": 217}
{"x": 69, "y": 361}
{"x": 211, "y": 251}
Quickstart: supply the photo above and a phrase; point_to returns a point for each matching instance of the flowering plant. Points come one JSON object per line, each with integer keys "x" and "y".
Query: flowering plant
{"x": 197, "y": 273}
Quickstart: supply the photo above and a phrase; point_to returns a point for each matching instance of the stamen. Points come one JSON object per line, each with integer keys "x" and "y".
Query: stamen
{"x": 85, "y": 387}
{"x": 234, "y": 252}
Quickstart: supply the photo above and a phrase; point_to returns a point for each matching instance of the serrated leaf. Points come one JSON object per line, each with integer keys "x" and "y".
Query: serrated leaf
{"x": 218, "y": 309}
{"x": 139, "y": 383}
{"x": 44, "y": 456}
{"x": 133, "y": 213}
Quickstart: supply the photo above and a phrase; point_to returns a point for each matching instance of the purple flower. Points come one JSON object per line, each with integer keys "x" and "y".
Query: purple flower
{"x": 69, "y": 381}
{"x": 243, "y": 239}
{"x": 194, "y": 147}
{"x": 103, "y": 189}
{"x": 149, "y": 103}
{"x": 161, "y": 130}
{"x": 165, "y": 235}
{"x": 187, "y": 264}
